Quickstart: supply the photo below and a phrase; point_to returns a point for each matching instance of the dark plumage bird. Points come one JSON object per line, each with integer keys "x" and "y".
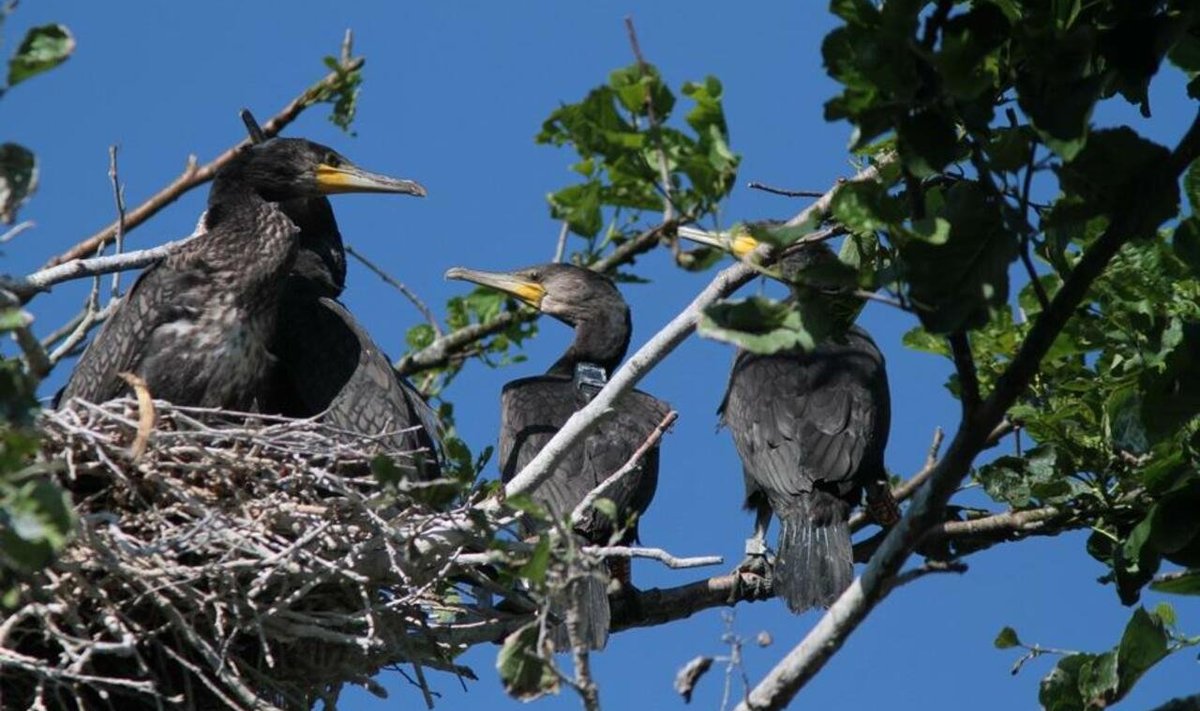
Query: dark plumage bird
{"x": 197, "y": 326}
{"x": 811, "y": 429}
{"x": 325, "y": 362}
{"x": 534, "y": 409}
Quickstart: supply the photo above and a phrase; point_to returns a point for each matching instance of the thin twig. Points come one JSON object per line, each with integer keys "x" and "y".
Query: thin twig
{"x": 398, "y": 286}
{"x": 194, "y": 174}
{"x": 653, "y": 554}
{"x": 755, "y": 185}
{"x": 634, "y": 461}
{"x": 119, "y": 199}
{"x": 15, "y": 231}
{"x": 560, "y": 248}
{"x": 664, "y": 170}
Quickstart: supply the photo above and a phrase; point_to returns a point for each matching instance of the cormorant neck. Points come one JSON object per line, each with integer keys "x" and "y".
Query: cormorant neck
{"x": 601, "y": 338}
{"x": 320, "y": 268}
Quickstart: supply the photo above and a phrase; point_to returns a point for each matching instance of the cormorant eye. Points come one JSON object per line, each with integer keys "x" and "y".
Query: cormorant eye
{"x": 533, "y": 275}
{"x": 332, "y": 160}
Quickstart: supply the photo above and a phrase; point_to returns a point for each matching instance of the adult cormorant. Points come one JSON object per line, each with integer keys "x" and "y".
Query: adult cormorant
{"x": 325, "y": 362}
{"x": 533, "y": 409}
{"x": 811, "y": 429}
{"x": 197, "y": 325}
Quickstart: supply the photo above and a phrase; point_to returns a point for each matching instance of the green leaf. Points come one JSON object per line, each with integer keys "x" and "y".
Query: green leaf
{"x": 43, "y": 48}
{"x": 535, "y": 568}
{"x": 18, "y": 179}
{"x": 927, "y": 141}
{"x": 961, "y": 282}
{"x": 1057, "y": 87}
{"x": 1007, "y": 638}
{"x": 525, "y": 674}
{"x": 918, "y": 339}
{"x": 757, "y": 324}
{"x": 865, "y": 206}
{"x": 36, "y": 521}
{"x": 1098, "y": 680}
{"x": 1111, "y": 171}
{"x": 1059, "y": 690}
{"x": 607, "y": 507}
{"x": 1186, "y": 240}
{"x": 1171, "y": 395}
{"x": 1123, "y": 421}
{"x": 1143, "y": 645}
{"x": 1185, "y": 582}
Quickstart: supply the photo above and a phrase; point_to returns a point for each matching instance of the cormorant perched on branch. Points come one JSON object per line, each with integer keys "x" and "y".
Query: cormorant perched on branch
{"x": 197, "y": 326}
{"x": 533, "y": 409}
{"x": 811, "y": 429}
{"x": 325, "y": 362}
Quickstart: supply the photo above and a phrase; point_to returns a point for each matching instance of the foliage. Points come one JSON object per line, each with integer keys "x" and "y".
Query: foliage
{"x": 1083, "y": 680}
{"x": 965, "y": 109}
{"x": 36, "y": 520}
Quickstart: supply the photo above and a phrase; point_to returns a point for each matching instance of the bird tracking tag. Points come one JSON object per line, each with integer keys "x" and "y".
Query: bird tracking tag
{"x": 590, "y": 376}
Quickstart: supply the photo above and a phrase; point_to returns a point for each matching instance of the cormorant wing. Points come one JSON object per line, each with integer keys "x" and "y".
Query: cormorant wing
{"x": 326, "y": 362}
{"x": 820, "y": 421}
{"x": 158, "y": 299}
{"x": 533, "y": 409}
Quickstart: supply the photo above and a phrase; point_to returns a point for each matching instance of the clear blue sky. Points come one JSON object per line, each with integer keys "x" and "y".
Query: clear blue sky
{"x": 454, "y": 94}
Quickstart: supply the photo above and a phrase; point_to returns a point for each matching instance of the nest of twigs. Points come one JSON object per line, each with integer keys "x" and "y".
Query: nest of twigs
{"x": 234, "y": 563}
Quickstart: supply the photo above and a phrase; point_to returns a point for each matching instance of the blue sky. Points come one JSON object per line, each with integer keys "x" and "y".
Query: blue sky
{"x": 454, "y": 94}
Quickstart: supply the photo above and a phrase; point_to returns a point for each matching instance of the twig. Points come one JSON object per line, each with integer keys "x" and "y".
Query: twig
{"x": 583, "y": 683}
{"x": 119, "y": 199}
{"x": 755, "y": 185}
{"x": 78, "y": 268}
{"x": 664, "y": 170}
{"x": 194, "y": 174}
{"x": 653, "y": 554}
{"x": 560, "y": 249}
{"x": 611, "y": 480}
{"x": 906, "y": 489}
{"x": 398, "y": 286}
{"x": 927, "y": 568}
{"x": 15, "y": 231}
{"x": 1129, "y": 219}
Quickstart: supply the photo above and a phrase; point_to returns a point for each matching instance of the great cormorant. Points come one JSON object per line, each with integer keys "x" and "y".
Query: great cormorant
{"x": 325, "y": 362}
{"x": 197, "y": 326}
{"x": 533, "y": 409}
{"x": 811, "y": 429}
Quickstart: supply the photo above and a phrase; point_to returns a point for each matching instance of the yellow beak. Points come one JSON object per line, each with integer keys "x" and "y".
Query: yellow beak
{"x": 525, "y": 290}
{"x": 350, "y": 178}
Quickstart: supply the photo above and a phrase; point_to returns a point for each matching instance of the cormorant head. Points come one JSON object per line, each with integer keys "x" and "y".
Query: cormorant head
{"x": 579, "y": 297}
{"x": 799, "y": 262}
{"x": 285, "y": 168}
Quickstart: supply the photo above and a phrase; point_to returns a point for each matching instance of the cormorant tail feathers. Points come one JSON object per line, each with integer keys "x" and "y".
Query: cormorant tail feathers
{"x": 591, "y": 591}
{"x": 815, "y": 561}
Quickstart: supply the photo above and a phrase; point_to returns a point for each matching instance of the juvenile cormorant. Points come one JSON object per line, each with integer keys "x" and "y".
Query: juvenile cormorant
{"x": 325, "y": 362}
{"x": 811, "y": 429}
{"x": 533, "y": 409}
{"x": 197, "y": 325}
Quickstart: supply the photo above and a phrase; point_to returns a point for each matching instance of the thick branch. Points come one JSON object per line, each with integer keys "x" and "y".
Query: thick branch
{"x": 1129, "y": 220}
{"x": 194, "y": 175}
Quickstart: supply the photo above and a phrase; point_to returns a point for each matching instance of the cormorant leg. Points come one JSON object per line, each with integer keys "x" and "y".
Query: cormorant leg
{"x": 757, "y": 561}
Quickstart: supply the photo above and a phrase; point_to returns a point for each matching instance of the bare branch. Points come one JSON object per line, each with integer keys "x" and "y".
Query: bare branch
{"x": 653, "y": 554}
{"x": 194, "y": 175}
{"x": 26, "y": 288}
{"x": 611, "y": 480}
{"x": 398, "y": 286}
{"x": 16, "y": 230}
{"x": 119, "y": 200}
{"x": 1129, "y": 219}
{"x": 560, "y": 249}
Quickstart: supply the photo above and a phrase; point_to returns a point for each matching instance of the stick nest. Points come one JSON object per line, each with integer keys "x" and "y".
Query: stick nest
{"x": 239, "y": 562}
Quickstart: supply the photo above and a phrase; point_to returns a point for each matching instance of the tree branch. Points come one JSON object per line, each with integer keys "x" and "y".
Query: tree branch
{"x": 194, "y": 175}
{"x": 968, "y": 378}
{"x": 400, "y": 287}
{"x": 1129, "y": 220}
{"x": 27, "y": 288}
{"x": 611, "y": 480}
